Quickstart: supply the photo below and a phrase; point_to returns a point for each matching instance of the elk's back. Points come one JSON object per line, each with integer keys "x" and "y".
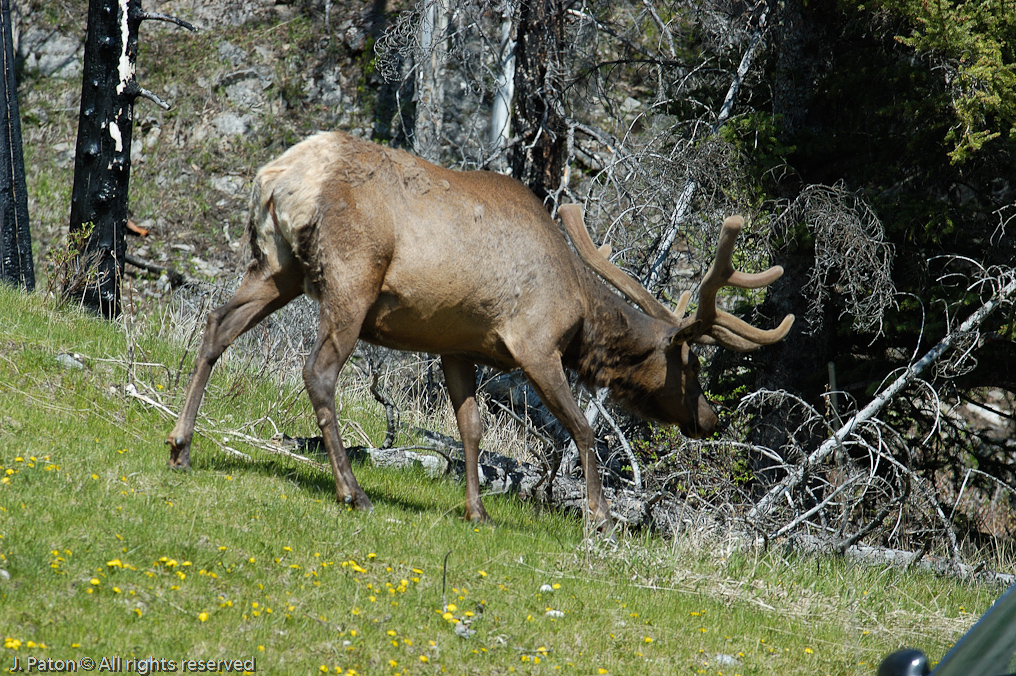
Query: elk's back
{"x": 458, "y": 262}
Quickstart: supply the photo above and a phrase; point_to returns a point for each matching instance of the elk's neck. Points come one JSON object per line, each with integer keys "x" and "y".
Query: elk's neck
{"x": 616, "y": 342}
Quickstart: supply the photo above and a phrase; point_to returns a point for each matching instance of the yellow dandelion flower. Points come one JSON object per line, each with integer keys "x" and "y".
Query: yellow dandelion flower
{"x": 203, "y": 617}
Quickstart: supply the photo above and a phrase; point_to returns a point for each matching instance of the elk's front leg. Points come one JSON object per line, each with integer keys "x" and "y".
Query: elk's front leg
{"x": 320, "y": 374}
{"x": 460, "y": 378}
{"x": 547, "y": 376}
{"x": 260, "y": 294}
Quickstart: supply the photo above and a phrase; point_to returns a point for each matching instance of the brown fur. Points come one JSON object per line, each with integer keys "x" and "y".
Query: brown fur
{"x": 467, "y": 265}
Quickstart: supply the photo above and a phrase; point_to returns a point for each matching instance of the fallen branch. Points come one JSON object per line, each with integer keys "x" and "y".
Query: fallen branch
{"x": 391, "y": 412}
{"x": 175, "y": 278}
{"x": 636, "y": 473}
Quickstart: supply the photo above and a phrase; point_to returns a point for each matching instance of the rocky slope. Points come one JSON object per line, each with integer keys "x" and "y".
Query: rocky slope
{"x": 255, "y": 78}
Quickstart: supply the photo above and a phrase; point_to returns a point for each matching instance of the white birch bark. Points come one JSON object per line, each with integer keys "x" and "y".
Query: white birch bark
{"x": 430, "y": 79}
{"x": 504, "y": 89}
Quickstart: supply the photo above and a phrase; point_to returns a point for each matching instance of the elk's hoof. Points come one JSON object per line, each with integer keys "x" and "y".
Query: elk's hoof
{"x": 600, "y": 523}
{"x": 479, "y": 516}
{"x": 358, "y": 501}
{"x": 179, "y": 453}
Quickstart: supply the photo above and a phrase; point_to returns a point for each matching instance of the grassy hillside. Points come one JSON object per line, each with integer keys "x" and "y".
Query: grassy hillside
{"x": 106, "y": 552}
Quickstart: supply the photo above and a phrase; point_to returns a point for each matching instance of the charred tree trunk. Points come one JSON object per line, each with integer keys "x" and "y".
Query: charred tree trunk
{"x": 16, "y": 265}
{"x": 102, "y": 162}
{"x": 538, "y": 158}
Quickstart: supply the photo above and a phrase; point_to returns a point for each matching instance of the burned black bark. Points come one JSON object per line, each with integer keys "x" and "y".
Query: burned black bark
{"x": 103, "y": 155}
{"x": 537, "y": 159}
{"x": 16, "y": 265}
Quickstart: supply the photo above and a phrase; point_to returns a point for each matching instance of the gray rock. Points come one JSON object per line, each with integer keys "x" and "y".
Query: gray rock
{"x": 231, "y": 185}
{"x": 328, "y": 90}
{"x": 231, "y": 124}
{"x": 68, "y": 361}
{"x": 246, "y": 87}
{"x": 51, "y": 54}
{"x": 231, "y": 54}
{"x": 726, "y": 660}
{"x": 630, "y": 105}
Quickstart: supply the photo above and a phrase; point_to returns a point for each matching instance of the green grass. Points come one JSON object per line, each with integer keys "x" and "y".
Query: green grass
{"x": 110, "y": 553}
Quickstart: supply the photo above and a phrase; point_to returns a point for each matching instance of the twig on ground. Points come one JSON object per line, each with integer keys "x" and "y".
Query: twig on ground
{"x": 175, "y": 278}
{"x": 391, "y": 412}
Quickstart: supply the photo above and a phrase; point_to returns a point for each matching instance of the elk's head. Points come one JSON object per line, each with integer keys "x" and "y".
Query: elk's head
{"x": 679, "y": 399}
{"x": 671, "y": 391}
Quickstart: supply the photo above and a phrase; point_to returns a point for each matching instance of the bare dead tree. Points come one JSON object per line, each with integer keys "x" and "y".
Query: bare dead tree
{"x": 867, "y": 477}
{"x": 504, "y": 91}
{"x": 102, "y": 162}
{"x": 851, "y": 254}
{"x": 16, "y": 266}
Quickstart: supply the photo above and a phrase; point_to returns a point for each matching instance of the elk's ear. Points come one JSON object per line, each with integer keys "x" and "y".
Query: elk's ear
{"x": 686, "y": 333}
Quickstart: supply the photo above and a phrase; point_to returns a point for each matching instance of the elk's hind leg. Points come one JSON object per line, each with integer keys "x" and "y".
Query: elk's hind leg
{"x": 460, "y": 378}
{"x": 261, "y": 293}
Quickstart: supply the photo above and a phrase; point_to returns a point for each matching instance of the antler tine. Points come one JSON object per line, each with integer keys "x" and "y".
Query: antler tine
{"x": 722, "y": 327}
{"x": 728, "y": 325}
{"x": 571, "y": 218}
{"x": 682, "y": 303}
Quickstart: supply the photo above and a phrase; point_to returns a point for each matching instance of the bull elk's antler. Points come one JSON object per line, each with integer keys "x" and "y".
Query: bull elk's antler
{"x": 571, "y": 218}
{"x": 717, "y": 327}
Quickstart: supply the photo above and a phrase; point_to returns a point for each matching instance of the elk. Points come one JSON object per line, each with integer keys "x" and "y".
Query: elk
{"x": 469, "y": 266}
